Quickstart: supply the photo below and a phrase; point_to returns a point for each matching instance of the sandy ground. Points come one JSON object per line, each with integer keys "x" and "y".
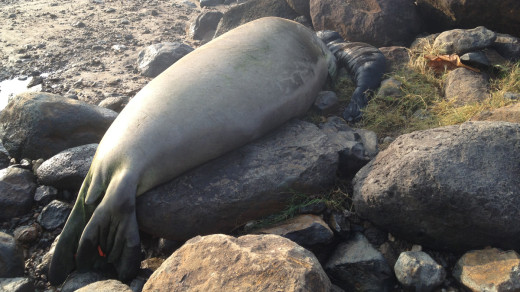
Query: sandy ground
{"x": 87, "y": 48}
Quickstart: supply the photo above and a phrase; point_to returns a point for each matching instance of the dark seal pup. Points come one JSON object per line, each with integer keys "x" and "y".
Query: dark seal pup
{"x": 221, "y": 96}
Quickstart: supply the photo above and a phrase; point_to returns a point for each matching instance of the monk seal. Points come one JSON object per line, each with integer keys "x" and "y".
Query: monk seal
{"x": 365, "y": 62}
{"x": 222, "y": 95}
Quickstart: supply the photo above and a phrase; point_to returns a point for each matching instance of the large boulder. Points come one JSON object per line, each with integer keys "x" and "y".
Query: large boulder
{"x": 251, "y": 10}
{"x": 377, "y": 22}
{"x": 17, "y": 187}
{"x": 248, "y": 263}
{"x": 510, "y": 113}
{"x": 251, "y": 182}
{"x": 454, "y": 187}
{"x": 501, "y": 16}
{"x": 39, "y": 125}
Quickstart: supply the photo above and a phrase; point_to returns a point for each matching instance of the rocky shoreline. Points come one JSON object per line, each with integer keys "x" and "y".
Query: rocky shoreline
{"x": 433, "y": 211}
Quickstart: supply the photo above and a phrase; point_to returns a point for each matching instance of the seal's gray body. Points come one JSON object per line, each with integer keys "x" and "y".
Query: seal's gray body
{"x": 217, "y": 98}
{"x": 225, "y": 94}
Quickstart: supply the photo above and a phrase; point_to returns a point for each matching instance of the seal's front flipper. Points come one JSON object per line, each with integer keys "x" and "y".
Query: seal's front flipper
{"x": 112, "y": 233}
{"x": 63, "y": 261}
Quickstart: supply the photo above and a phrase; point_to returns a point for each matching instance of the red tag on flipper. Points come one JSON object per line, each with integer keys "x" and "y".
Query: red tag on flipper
{"x": 101, "y": 251}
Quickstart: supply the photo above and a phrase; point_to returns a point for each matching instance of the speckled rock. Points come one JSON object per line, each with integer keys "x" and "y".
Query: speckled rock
{"x": 106, "y": 286}
{"x": 27, "y": 234}
{"x": 77, "y": 281}
{"x": 205, "y": 25}
{"x": 510, "y": 113}
{"x": 417, "y": 271}
{"x": 45, "y": 194}
{"x": 508, "y": 46}
{"x": 433, "y": 187}
{"x": 248, "y": 263}
{"x": 54, "y": 215}
{"x": 489, "y": 270}
{"x": 463, "y": 86}
{"x": 16, "y": 285}
{"x": 460, "y": 41}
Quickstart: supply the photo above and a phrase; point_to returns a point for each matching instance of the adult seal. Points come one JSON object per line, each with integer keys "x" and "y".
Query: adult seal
{"x": 221, "y": 96}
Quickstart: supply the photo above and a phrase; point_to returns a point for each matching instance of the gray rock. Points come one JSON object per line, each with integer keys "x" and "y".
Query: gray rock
{"x": 301, "y": 7}
{"x": 512, "y": 95}
{"x": 248, "y": 263}
{"x": 339, "y": 223}
{"x": 390, "y": 87}
{"x": 453, "y": 187}
{"x": 115, "y": 103}
{"x": 156, "y": 58}
{"x": 500, "y": 16}
{"x": 17, "y": 187}
{"x": 67, "y": 169}
{"x": 326, "y": 101}
{"x": 205, "y": 3}
{"x": 489, "y": 269}
{"x": 54, "y": 215}
{"x": 305, "y": 230}
{"x": 27, "y": 234}
{"x": 251, "y": 10}
{"x": 40, "y": 125}
{"x": 396, "y": 57}
{"x": 205, "y": 26}
{"x": 11, "y": 257}
{"x": 43, "y": 267}
{"x": 508, "y": 46}
{"x": 357, "y": 266}
{"x": 106, "y": 286}
{"x": 460, "y": 41}
{"x": 16, "y": 285}
{"x": 45, "y": 194}
{"x": 378, "y": 22}
{"x": 417, "y": 271}
{"x": 246, "y": 184}
{"x": 475, "y": 59}
{"x": 4, "y": 157}
{"x": 77, "y": 281}
{"x": 463, "y": 86}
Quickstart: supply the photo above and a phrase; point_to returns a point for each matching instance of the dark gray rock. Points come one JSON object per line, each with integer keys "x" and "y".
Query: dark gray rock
{"x": 305, "y": 230}
{"x": 251, "y": 10}
{"x": 356, "y": 265}
{"x": 301, "y": 7}
{"x": 16, "y": 285}
{"x": 39, "y": 125}
{"x": 508, "y": 46}
{"x": 67, "y": 169}
{"x": 4, "y": 157}
{"x": 500, "y": 16}
{"x": 45, "y": 194}
{"x": 475, "y": 59}
{"x": 453, "y": 187}
{"x": 77, "y": 281}
{"x": 396, "y": 57}
{"x": 326, "y": 101}
{"x": 246, "y": 184}
{"x": 11, "y": 257}
{"x": 54, "y": 215}
{"x": 27, "y": 234}
{"x": 417, "y": 271}
{"x": 339, "y": 223}
{"x": 205, "y": 26}
{"x": 460, "y": 41}
{"x": 205, "y": 3}
{"x": 463, "y": 86}
{"x": 17, "y": 187}
{"x": 156, "y": 58}
{"x": 377, "y": 22}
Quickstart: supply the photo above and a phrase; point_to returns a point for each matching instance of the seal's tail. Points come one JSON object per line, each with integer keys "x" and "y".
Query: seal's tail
{"x": 364, "y": 62}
